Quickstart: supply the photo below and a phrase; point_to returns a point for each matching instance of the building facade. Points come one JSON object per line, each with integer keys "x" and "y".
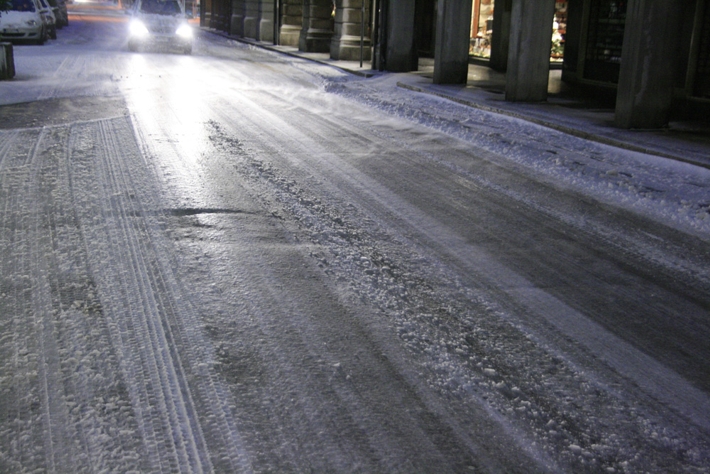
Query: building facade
{"x": 652, "y": 55}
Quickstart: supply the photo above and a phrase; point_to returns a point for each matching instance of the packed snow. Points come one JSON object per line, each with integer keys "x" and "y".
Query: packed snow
{"x": 240, "y": 261}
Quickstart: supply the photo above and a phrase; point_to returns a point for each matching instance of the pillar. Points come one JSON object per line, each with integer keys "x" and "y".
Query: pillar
{"x": 500, "y": 42}
{"x": 349, "y": 21}
{"x": 7, "y": 61}
{"x": 646, "y": 78}
{"x": 291, "y": 22}
{"x": 221, "y": 15}
{"x": 528, "y": 69}
{"x": 266, "y": 21}
{"x": 452, "y": 41}
{"x": 317, "y": 27}
{"x": 206, "y": 13}
{"x": 236, "y": 24}
{"x": 251, "y": 18}
{"x": 400, "y": 53}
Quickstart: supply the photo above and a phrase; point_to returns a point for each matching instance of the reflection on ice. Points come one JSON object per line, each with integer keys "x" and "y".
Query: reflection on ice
{"x": 172, "y": 113}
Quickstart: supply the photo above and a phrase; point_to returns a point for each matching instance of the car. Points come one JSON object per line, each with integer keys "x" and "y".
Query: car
{"x": 59, "y": 8}
{"x": 24, "y": 22}
{"x": 159, "y": 22}
{"x": 49, "y": 19}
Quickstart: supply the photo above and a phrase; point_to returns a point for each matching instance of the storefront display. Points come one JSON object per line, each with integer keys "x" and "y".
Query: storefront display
{"x": 482, "y": 29}
{"x": 559, "y": 31}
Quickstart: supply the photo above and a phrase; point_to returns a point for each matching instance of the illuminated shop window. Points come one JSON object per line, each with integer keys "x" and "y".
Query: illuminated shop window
{"x": 482, "y": 29}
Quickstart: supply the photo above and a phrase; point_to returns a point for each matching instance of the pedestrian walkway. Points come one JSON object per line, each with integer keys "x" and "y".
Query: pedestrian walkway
{"x": 565, "y": 110}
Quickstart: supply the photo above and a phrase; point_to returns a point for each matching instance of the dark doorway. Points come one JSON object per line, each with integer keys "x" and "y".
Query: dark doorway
{"x": 425, "y": 27}
{"x": 605, "y": 37}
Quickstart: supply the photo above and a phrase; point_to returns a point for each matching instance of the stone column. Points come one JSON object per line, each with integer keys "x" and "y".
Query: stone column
{"x": 251, "y": 19}
{"x": 291, "y": 22}
{"x": 529, "y": 53}
{"x": 500, "y": 42}
{"x": 453, "y": 26}
{"x": 237, "y": 22}
{"x": 7, "y": 61}
{"x": 400, "y": 53}
{"x": 648, "y": 60}
{"x": 219, "y": 17}
{"x": 266, "y": 21}
{"x": 345, "y": 44}
{"x": 206, "y": 13}
{"x": 317, "y": 27}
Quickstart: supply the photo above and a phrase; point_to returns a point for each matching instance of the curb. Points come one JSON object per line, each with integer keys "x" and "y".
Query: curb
{"x": 276, "y": 49}
{"x": 556, "y": 126}
{"x": 496, "y": 110}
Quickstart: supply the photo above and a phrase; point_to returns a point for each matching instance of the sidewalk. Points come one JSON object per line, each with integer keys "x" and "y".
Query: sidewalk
{"x": 683, "y": 141}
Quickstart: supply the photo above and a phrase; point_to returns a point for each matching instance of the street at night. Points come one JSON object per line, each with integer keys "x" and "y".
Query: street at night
{"x": 239, "y": 260}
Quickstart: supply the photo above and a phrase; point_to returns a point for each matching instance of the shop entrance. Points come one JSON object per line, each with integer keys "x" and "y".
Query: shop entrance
{"x": 482, "y": 29}
{"x": 425, "y": 27}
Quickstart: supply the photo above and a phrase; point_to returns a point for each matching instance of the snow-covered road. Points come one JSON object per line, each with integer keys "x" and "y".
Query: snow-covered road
{"x": 238, "y": 261}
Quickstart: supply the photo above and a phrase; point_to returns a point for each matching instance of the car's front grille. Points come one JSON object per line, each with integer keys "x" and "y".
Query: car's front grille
{"x": 161, "y": 30}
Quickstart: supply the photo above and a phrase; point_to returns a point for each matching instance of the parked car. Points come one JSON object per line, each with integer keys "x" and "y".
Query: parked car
{"x": 24, "y": 22}
{"x": 49, "y": 19}
{"x": 59, "y": 8}
{"x": 159, "y": 22}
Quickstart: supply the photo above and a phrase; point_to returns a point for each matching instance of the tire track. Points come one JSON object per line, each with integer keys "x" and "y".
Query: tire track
{"x": 213, "y": 399}
{"x": 53, "y": 434}
{"x": 58, "y": 431}
{"x": 161, "y": 341}
{"x": 95, "y": 390}
{"x": 151, "y": 373}
{"x": 77, "y": 430}
{"x": 103, "y": 364}
{"x": 71, "y": 68}
{"x": 111, "y": 289}
{"x": 20, "y": 416}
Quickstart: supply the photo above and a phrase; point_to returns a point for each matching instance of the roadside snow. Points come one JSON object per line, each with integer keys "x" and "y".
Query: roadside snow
{"x": 263, "y": 278}
{"x": 671, "y": 192}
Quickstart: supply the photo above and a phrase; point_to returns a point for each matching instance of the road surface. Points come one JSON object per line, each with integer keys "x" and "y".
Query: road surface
{"x": 239, "y": 261}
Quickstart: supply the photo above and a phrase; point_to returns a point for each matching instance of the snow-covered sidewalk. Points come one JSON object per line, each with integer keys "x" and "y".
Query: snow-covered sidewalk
{"x": 686, "y": 141}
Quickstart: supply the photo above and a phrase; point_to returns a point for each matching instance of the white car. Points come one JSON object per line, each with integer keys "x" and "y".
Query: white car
{"x": 49, "y": 19}
{"x": 23, "y": 22}
{"x": 159, "y": 22}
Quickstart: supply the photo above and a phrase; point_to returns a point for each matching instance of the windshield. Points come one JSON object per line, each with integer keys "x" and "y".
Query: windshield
{"x": 23, "y": 5}
{"x": 161, "y": 7}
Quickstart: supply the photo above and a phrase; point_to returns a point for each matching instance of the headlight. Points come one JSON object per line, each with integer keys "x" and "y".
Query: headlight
{"x": 32, "y": 22}
{"x": 137, "y": 28}
{"x": 184, "y": 31}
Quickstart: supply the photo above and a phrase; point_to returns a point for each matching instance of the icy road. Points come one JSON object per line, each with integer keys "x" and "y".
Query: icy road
{"x": 239, "y": 261}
